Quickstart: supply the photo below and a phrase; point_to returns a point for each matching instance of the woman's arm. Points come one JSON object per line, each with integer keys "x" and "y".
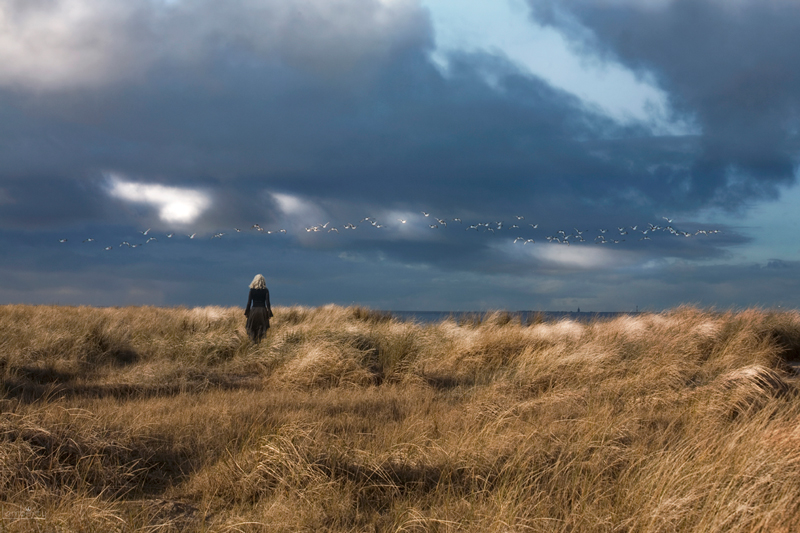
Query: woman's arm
{"x": 249, "y": 299}
{"x": 269, "y": 307}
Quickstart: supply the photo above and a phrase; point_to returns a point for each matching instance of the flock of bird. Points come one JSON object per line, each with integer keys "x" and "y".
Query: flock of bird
{"x": 604, "y": 236}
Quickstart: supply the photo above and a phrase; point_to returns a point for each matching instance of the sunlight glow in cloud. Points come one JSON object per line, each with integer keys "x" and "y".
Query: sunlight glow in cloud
{"x": 580, "y": 257}
{"x": 291, "y": 205}
{"x": 298, "y": 211}
{"x": 176, "y": 205}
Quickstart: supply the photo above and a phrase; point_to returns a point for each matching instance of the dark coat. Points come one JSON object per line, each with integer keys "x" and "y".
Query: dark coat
{"x": 258, "y": 317}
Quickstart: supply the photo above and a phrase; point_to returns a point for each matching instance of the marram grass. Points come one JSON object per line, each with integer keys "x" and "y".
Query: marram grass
{"x": 344, "y": 419}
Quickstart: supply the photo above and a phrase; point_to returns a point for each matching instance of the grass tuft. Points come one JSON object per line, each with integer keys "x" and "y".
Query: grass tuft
{"x": 349, "y": 419}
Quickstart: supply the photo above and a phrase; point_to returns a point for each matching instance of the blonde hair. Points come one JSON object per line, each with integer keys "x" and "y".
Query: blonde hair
{"x": 258, "y": 282}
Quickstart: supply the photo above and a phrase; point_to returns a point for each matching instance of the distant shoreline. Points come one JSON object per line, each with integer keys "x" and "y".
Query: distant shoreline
{"x": 522, "y": 316}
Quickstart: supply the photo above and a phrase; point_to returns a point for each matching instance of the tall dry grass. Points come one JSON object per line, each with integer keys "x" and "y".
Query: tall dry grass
{"x": 346, "y": 419}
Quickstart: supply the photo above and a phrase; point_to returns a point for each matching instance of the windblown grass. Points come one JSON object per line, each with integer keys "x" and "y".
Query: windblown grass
{"x": 346, "y": 419}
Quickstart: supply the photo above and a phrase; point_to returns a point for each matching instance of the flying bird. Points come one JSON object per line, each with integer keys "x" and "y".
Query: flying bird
{"x": 560, "y": 236}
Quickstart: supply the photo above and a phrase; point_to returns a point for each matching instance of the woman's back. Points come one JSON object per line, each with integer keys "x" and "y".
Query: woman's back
{"x": 258, "y": 319}
{"x": 259, "y": 297}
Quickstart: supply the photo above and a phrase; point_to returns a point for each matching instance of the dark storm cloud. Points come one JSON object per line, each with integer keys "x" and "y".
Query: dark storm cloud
{"x": 338, "y": 106}
{"x": 730, "y": 66}
{"x": 376, "y": 128}
{"x": 724, "y": 286}
{"x": 45, "y": 202}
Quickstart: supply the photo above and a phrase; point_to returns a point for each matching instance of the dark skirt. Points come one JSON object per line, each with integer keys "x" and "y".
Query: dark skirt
{"x": 257, "y": 323}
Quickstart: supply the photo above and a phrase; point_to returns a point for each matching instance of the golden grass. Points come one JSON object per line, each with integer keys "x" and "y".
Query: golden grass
{"x": 346, "y": 419}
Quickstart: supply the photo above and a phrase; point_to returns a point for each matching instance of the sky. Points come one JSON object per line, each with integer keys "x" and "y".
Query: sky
{"x": 417, "y": 155}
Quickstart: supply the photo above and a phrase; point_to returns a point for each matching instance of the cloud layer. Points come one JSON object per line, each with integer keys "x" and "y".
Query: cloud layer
{"x": 731, "y": 66}
{"x": 292, "y": 114}
{"x": 62, "y": 44}
{"x": 175, "y": 205}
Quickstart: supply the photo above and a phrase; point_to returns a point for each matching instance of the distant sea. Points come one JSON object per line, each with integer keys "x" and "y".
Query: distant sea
{"x": 524, "y": 317}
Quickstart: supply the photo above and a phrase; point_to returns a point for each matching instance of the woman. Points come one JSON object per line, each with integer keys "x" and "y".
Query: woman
{"x": 258, "y": 317}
